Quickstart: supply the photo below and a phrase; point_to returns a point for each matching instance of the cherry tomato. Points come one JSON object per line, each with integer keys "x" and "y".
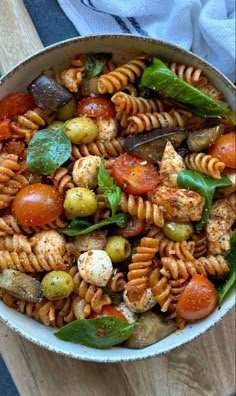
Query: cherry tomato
{"x": 108, "y": 310}
{"x": 37, "y": 204}
{"x": 16, "y": 104}
{"x": 134, "y": 227}
{"x": 99, "y": 106}
{"x": 225, "y": 149}
{"x": 135, "y": 175}
{"x": 5, "y": 129}
{"x": 197, "y": 300}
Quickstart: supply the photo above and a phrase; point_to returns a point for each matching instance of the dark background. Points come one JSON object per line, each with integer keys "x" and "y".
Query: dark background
{"x": 52, "y": 26}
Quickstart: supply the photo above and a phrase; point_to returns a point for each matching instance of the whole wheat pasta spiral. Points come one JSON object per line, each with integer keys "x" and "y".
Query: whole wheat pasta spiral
{"x": 213, "y": 265}
{"x": 205, "y": 163}
{"x": 62, "y": 180}
{"x": 145, "y": 122}
{"x": 107, "y": 149}
{"x": 8, "y": 192}
{"x": 17, "y": 243}
{"x": 8, "y": 167}
{"x": 117, "y": 79}
{"x": 70, "y": 79}
{"x": 139, "y": 269}
{"x": 30, "y": 262}
{"x": 161, "y": 289}
{"x": 182, "y": 250}
{"x": 141, "y": 208}
{"x": 27, "y": 124}
{"x": 189, "y": 74}
{"x": 117, "y": 282}
{"x": 8, "y": 225}
{"x": 201, "y": 245}
{"x": 128, "y": 104}
{"x": 57, "y": 223}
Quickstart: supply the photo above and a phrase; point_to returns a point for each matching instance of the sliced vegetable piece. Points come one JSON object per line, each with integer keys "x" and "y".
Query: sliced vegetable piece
{"x": 16, "y": 103}
{"x": 205, "y": 186}
{"x": 98, "y": 106}
{"x": 153, "y": 328}
{"x": 159, "y": 77}
{"x": 48, "y": 150}
{"x": 47, "y": 94}
{"x": 231, "y": 278}
{"x": 21, "y": 285}
{"x": 225, "y": 149}
{"x": 150, "y": 145}
{"x": 100, "y": 333}
{"x": 197, "y": 300}
{"x": 203, "y": 138}
{"x": 135, "y": 175}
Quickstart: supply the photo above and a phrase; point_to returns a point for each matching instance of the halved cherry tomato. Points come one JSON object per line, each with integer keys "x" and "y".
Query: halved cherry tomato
{"x": 16, "y": 104}
{"x": 108, "y": 310}
{"x": 99, "y": 106}
{"x": 5, "y": 129}
{"x": 37, "y": 204}
{"x": 197, "y": 300}
{"x": 135, "y": 175}
{"x": 134, "y": 228}
{"x": 225, "y": 149}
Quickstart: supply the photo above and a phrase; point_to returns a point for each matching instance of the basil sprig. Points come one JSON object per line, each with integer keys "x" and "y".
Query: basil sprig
{"x": 109, "y": 188}
{"x": 100, "y": 333}
{"x": 93, "y": 65}
{"x": 48, "y": 150}
{"x": 159, "y": 77}
{"x": 205, "y": 186}
{"x": 231, "y": 278}
{"x": 83, "y": 226}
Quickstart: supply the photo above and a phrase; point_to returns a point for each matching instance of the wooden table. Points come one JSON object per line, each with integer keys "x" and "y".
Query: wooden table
{"x": 205, "y": 366}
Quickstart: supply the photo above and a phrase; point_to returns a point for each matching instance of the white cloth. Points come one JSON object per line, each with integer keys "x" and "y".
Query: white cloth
{"x": 206, "y": 27}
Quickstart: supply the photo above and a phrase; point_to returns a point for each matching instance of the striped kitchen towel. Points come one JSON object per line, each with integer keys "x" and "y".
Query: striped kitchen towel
{"x": 206, "y": 27}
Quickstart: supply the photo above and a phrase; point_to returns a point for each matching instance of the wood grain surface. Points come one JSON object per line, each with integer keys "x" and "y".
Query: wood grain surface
{"x": 204, "y": 367}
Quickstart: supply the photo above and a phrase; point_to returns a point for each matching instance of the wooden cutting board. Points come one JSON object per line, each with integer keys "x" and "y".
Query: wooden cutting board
{"x": 205, "y": 366}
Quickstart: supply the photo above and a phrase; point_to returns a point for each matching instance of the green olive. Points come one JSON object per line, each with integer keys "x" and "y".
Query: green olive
{"x": 178, "y": 231}
{"x": 80, "y": 202}
{"x": 117, "y": 248}
{"x": 57, "y": 285}
{"x": 81, "y": 130}
{"x": 67, "y": 111}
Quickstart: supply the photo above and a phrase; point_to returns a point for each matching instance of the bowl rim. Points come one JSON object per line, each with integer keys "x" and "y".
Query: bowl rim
{"x": 142, "y": 355}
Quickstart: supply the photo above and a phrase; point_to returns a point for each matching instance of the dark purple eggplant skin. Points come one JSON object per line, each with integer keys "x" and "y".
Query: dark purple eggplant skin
{"x": 47, "y": 94}
{"x": 150, "y": 145}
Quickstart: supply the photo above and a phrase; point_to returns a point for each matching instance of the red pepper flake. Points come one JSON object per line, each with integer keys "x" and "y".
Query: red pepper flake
{"x": 100, "y": 332}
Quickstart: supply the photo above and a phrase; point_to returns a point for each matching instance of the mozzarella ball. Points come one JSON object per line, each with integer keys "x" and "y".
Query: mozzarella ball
{"x": 144, "y": 304}
{"x": 95, "y": 267}
{"x": 130, "y": 316}
{"x": 107, "y": 129}
{"x": 85, "y": 171}
{"x": 49, "y": 242}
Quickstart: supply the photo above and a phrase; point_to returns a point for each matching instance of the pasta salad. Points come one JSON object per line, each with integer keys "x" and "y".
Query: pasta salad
{"x": 117, "y": 199}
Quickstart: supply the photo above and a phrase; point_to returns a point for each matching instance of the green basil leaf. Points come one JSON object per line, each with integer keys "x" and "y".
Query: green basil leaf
{"x": 205, "y": 186}
{"x": 231, "y": 278}
{"x": 159, "y": 77}
{"x": 48, "y": 150}
{"x": 93, "y": 65}
{"x": 116, "y": 297}
{"x": 109, "y": 188}
{"x": 80, "y": 227}
{"x": 100, "y": 333}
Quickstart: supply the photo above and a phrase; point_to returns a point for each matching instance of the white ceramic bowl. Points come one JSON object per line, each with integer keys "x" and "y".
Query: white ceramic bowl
{"x": 123, "y": 47}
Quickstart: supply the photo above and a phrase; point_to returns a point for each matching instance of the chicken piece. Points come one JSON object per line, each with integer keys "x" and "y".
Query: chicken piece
{"x": 107, "y": 129}
{"x": 218, "y": 226}
{"x": 49, "y": 243}
{"x": 179, "y": 204}
{"x": 85, "y": 171}
{"x": 90, "y": 241}
{"x": 171, "y": 164}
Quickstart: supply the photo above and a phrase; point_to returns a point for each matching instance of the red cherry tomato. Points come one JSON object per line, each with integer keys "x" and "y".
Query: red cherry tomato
{"x": 134, "y": 175}
{"x": 225, "y": 149}
{"x": 99, "y": 106}
{"x": 5, "y": 129}
{"x": 37, "y": 204}
{"x": 16, "y": 104}
{"x": 108, "y": 310}
{"x": 134, "y": 228}
{"x": 197, "y": 300}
